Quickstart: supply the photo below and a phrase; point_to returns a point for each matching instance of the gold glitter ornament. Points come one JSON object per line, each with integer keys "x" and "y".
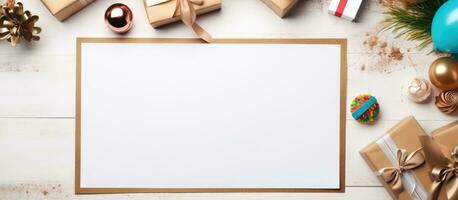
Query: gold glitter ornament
{"x": 447, "y": 101}
{"x": 17, "y": 24}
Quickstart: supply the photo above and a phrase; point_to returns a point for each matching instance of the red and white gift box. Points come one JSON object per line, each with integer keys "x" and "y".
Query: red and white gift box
{"x": 347, "y": 9}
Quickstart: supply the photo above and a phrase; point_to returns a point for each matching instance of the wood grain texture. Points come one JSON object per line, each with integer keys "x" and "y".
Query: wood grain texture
{"x": 37, "y": 87}
{"x": 40, "y": 155}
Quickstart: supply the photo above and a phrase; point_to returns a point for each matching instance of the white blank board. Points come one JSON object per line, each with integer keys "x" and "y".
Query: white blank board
{"x": 182, "y": 116}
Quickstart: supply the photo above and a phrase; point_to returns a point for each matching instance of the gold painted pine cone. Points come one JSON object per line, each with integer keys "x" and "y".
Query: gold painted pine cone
{"x": 447, "y": 101}
{"x": 15, "y": 23}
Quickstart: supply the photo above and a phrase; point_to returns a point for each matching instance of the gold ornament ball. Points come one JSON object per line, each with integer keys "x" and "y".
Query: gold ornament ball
{"x": 443, "y": 73}
{"x": 119, "y": 18}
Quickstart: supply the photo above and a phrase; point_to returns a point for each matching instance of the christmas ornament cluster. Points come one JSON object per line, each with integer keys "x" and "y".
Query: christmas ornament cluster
{"x": 443, "y": 72}
{"x": 431, "y": 22}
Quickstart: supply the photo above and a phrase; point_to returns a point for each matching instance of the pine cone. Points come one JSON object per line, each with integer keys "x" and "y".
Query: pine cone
{"x": 16, "y": 24}
{"x": 447, "y": 102}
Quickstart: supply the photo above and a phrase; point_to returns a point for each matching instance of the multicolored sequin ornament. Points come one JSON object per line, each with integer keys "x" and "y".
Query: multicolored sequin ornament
{"x": 365, "y": 109}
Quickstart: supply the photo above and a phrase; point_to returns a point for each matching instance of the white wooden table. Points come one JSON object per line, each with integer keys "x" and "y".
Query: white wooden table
{"x": 37, "y": 91}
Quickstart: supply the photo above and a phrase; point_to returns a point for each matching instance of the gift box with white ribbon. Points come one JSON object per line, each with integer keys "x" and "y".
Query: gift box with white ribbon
{"x": 398, "y": 162}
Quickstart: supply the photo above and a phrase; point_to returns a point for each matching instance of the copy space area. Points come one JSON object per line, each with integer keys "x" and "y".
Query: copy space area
{"x": 157, "y": 115}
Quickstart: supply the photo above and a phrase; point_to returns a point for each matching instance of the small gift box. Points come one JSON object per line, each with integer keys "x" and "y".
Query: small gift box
{"x": 442, "y": 155}
{"x": 62, "y": 9}
{"x": 347, "y": 9}
{"x": 398, "y": 162}
{"x": 161, "y": 12}
{"x": 280, "y": 7}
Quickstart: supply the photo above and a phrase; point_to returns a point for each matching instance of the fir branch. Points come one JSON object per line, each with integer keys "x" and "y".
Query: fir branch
{"x": 413, "y": 20}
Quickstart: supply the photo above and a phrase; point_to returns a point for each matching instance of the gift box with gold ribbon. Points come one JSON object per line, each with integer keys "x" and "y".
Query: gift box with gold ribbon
{"x": 162, "y": 12}
{"x": 441, "y": 152}
{"x": 62, "y": 9}
{"x": 398, "y": 162}
{"x": 280, "y": 7}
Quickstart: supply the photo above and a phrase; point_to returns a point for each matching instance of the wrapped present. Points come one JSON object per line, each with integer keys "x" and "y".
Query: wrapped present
{"x": 347, "y": 9}
{"x": 162, "y": 12}
{"x": 441, "y": 153}
{"x": 280, "y": 7}
{"x": 447, "y": 135}
{"x": 398, "y": 162}
{"x": 62, "y": 9}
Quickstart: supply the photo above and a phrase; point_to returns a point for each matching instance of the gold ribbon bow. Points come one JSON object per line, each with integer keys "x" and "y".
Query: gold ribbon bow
{"x": 393, "y": 175}
{"x": 445, "y": 168}
{"x": 188, "y": 15}
{"x": 17, "y": 23}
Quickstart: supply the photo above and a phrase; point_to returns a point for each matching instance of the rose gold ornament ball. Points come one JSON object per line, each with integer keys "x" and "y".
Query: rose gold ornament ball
{"x": 119, "y": 18}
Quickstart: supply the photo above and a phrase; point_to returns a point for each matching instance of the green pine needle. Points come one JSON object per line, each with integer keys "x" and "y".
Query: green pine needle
{"x": 413, "y": 21}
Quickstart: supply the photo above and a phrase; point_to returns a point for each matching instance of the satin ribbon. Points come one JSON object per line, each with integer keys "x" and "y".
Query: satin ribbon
{"x": 85, "y": 2}
{"x": 445, "y": 168}
{"x": 188, "y": 15}
{"x": 341, "y": 8}
{"x": 399, "y": 176}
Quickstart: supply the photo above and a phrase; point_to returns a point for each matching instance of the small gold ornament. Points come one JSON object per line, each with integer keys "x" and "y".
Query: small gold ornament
{"x": 15, "y": 23}
{"x": 447, "y": 102}
{"x": 443, "y": 73}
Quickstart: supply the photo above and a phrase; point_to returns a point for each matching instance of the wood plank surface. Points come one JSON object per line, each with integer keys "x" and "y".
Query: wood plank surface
{"x": 37, "y": 87}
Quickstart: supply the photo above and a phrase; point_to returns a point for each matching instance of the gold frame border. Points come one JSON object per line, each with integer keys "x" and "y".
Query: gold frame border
{"x": 342, "y": 134}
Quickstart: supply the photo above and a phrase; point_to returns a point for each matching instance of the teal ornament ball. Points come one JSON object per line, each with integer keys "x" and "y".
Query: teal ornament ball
{"x": 444, "y": 28}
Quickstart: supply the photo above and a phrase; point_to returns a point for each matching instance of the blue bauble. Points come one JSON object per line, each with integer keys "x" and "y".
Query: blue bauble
{"x": 444, "y": 28}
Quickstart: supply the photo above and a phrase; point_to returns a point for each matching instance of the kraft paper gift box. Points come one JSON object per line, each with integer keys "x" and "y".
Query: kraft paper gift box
{"x": 447, "y": 135}
{"x": 62, "y": 9}
{"x": 444, "y": 160}
{"x": 382, "y": 156}
{"x": 280, "y": 7}
{"x": 162, "y": 12}
{"x": 347, "y": 9}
